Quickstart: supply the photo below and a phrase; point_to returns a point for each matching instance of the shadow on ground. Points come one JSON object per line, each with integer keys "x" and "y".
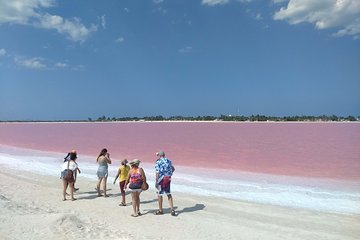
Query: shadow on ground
{"x": 196, "y": 207}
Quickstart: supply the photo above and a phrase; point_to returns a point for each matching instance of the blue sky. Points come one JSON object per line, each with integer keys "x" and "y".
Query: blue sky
{"x": 86, "y": 58}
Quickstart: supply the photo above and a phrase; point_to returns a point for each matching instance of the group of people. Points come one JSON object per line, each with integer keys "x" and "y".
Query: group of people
{"x": 132, "y": 177}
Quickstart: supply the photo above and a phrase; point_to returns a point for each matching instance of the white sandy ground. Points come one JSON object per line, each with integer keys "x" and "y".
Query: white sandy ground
{"x": 31, "y": 207}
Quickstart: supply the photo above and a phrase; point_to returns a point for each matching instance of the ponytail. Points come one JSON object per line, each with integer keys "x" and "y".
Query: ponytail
{"x": 66, "y": 158}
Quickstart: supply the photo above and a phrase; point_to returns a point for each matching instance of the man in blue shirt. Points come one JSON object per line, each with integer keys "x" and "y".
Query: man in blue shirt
{"x": 164, "y": 170}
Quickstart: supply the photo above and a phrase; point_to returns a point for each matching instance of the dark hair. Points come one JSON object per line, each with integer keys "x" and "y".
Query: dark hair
{"x": 102, "y": 153}
{"x": 66, "y": 158}
{"x": 73, "y": 156}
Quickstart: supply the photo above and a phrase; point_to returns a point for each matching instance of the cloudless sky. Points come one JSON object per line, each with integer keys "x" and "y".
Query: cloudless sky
{"x": 86, "y": 58}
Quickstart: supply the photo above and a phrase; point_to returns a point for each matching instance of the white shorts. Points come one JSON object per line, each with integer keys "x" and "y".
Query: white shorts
{"x": 135, "y": 190}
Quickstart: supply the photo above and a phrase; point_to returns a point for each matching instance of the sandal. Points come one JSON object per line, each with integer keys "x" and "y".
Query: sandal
{"x": 122, "y": 204}
{"x": 158, "y": 212}
{"x": 133, "y": 215}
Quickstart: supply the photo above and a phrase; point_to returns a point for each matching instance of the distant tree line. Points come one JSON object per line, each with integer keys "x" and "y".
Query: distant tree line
{"x": 252, "y": 118}
{"x": 235, "y": 118}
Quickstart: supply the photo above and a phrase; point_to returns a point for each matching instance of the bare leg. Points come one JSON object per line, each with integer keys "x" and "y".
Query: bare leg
{"x": 133, "y": 203}
{"x": 123, "y": 198}
{"x": 65, "y": 184}
{"x": 138, "y": 203}
{"x": 104, "y": 185}
{"x": 98, "y": 186}
{"x": 170, "y": 202}
{"x": 75, "y": 178}
{"x": 170, "y": 198}
{"x": 72, "y": 191}
{"x": 160, "y": 200}
{"x": 123, "y": 202}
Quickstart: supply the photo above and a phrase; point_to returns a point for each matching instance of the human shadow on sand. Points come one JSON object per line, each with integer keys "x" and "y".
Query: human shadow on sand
{"x": 94, "y": 191}
{"x": 196, "y": 207}
{"x": 89, "y": 197}
{"x": 94, "y": 194}
{"x": 148, "y": 201}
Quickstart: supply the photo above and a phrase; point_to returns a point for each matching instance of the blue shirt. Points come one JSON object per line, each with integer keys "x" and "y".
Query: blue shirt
{"x": 163, "y": 166}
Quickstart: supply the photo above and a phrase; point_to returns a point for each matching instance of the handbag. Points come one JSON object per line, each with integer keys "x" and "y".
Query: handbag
{"x": 69, "y": 175}
{"x": 144, "y": 186}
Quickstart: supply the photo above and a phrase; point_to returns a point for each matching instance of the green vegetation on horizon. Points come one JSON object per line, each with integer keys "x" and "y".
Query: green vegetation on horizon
{"x": 252, "y": 118}
{"x": 235, "y": 118}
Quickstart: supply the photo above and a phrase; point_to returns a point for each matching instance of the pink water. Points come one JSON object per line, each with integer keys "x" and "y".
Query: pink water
{"x": 324, "y": 150}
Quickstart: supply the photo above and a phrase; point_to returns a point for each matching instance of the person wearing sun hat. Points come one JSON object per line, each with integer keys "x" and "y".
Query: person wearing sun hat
{"x": 164, "y": 170}
{"x": 122, "y": 172}
{"x": 135, "y": 179}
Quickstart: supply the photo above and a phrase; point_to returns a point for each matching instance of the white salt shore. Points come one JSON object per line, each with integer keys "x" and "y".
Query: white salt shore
{"x": 31, "y": 207}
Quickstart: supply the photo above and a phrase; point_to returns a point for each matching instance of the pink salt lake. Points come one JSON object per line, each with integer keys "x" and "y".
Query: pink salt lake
{"x": 320, "y": 150}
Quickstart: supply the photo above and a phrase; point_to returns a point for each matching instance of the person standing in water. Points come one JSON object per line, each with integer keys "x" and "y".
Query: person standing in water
{"x": 103, "y": 160}
{"x": 122, "y": 173}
